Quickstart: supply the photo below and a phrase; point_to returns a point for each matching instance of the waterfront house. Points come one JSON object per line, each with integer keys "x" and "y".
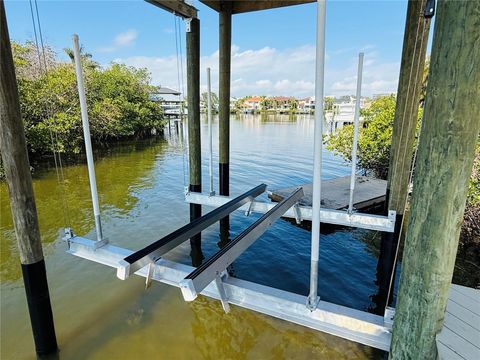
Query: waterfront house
{"x": 169, "y": 99}
{"x": 252, "y": 104}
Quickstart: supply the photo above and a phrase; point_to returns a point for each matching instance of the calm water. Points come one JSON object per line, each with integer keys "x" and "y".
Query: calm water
{"x": 141, "y": 192}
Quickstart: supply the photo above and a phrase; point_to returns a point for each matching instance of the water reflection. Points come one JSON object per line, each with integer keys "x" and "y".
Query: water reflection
{"x": 232, "y": 336}
{"x": 141, "y": 188}
{"x": 122, "y": 174}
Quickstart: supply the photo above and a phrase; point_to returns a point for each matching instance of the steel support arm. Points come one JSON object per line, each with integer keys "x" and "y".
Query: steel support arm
{"x": 154, "y": 251}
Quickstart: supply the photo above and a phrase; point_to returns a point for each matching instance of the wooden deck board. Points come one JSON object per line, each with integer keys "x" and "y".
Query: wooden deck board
{"x": 464, "y": 314}
{"x": 465, "y": 301}
{"x": 369, "y": 192}
{"x": 460, "y": 335}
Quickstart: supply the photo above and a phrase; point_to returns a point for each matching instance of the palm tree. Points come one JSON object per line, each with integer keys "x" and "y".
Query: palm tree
{"x": 86, "y": 57}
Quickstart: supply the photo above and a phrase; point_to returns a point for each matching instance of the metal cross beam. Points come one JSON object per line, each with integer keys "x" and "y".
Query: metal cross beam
{"x": 154, "y": 251}
{"x": 328, "y": 216}
{"x": 195, "y": 282}
{"x": 355, "y": 325}
{"x": 178, "y": 7}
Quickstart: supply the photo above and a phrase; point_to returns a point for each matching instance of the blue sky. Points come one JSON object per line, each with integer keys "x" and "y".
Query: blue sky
{"x": 273, "y": 51}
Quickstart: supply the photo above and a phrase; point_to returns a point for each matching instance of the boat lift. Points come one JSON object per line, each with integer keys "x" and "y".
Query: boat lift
{"x": 211, "y": 278}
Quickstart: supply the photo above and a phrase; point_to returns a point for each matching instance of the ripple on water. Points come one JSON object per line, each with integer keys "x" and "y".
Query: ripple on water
{"x": 141, "y": 192}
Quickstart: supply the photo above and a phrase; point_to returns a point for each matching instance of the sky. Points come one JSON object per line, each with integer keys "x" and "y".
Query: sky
{"x": 273, "y": 51}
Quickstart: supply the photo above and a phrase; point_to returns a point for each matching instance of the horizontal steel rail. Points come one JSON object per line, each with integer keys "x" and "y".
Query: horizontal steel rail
{"x": 195, "y": 282}
{"x": 154, "y": 251}
{"x": 327, "y": 216}
{"x": 351, "y": 324}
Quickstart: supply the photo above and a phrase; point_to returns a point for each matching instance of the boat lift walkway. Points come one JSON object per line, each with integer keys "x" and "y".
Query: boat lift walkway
{"x": 369, "y": 193}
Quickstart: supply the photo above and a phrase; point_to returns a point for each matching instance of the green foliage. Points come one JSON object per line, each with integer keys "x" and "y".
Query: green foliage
{"x": 374, "y": 144}
{"x": 292, "y": 104}
{"x": 473, "y": 196}
{"x": 374, "y": 137}
{"x": 213, "y": 98}
{"x": 118, "y": 101}
{"x": 328, "y": 103}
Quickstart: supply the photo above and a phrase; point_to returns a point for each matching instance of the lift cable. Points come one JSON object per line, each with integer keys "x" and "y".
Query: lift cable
{"x": 49, "y": 112}
{"x": 181, "y": 97}
{"x": 36, "y": 38}
{"x": 406, "y": 152}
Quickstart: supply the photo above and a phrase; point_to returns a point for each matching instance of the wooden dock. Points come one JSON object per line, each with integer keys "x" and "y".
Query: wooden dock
{"x": 460, "y": 336}
{"x": 369, "y": 193}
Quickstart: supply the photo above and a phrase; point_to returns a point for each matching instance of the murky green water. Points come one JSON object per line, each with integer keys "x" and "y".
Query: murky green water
{"x": 141, "y": 185}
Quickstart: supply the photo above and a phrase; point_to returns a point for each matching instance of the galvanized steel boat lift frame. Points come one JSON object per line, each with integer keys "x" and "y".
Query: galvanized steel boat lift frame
{"x": 211, "y": 279}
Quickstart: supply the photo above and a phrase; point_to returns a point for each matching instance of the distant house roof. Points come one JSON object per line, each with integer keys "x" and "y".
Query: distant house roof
{"x": 161, "y": 90}
{"x": 254, "y": 99}
{"x": 282, "y": 98}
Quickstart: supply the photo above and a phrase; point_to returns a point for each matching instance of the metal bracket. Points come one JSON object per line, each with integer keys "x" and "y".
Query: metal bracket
{"x": 392, "y": 215}
{"x": 429, "y": 10}
{"x": 223, "y": 294}
{"x": 298, "y": 214}
{"x": 312, "y": 305}
{"x": 388, "y": 317}
{"x": 70, "y": 237}
{"x": 188, "y": 27}
{"x": 150, "y": 272}
{"x": 250, "y": 208}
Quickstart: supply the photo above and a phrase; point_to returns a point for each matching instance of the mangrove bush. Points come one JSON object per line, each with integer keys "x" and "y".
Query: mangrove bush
{"x": 118, "y": 98}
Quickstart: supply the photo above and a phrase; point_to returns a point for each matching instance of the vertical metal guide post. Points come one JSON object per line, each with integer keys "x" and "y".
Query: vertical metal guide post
{"x": 210, "y": 141}
{"x": 355, "y": 131}
{"x": 317, "y": 154}
{"x": 88, "y": 143}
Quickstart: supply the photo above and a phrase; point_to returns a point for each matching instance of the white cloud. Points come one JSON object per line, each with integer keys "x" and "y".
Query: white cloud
{"x": 122, "y": 40}
{"x": 270, "y": 71}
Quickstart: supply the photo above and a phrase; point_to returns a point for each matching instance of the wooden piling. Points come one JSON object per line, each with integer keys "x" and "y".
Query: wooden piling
{"x": 450, "y": 131}
{"x": 415, "y": 40}
{"x": 194, "y": 144}
{"x": 225, "y": 42}
{"x": 17, "y": 172}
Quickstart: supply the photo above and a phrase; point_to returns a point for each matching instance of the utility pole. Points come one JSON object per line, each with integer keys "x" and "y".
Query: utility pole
{"x": 13, "y": 149}
{"x": 449, "y": 134}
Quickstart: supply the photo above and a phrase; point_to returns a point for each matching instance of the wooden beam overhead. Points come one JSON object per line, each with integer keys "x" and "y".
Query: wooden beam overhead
{"x": 243, "y": 6}
{"x": 178, "y": 7}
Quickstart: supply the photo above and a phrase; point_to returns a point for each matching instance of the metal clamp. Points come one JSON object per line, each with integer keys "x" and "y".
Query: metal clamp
{"x": 388, "y": 317}
{"x": 429, "y": 10}
{"x": 70, "y": 237}
{"x": 188, "y": 27}
{"x": 222, "y": 293}
{"x": 250, "y": 208}
{"x": 150, "y": 272}
{"x": 298, "y": 214}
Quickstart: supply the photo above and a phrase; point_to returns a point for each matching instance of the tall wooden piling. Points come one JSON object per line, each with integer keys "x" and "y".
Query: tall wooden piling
{"x": 194, "y": 144}
{"x": 415, "y": 40}
{"x": 17, "y": 172}
{"x": 225, "y": 43}
{"x": 450, "y": 131}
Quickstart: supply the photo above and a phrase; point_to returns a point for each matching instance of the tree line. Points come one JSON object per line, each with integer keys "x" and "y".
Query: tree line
{"x": 118, "y": 99}
{"x": 374, "y": 144}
